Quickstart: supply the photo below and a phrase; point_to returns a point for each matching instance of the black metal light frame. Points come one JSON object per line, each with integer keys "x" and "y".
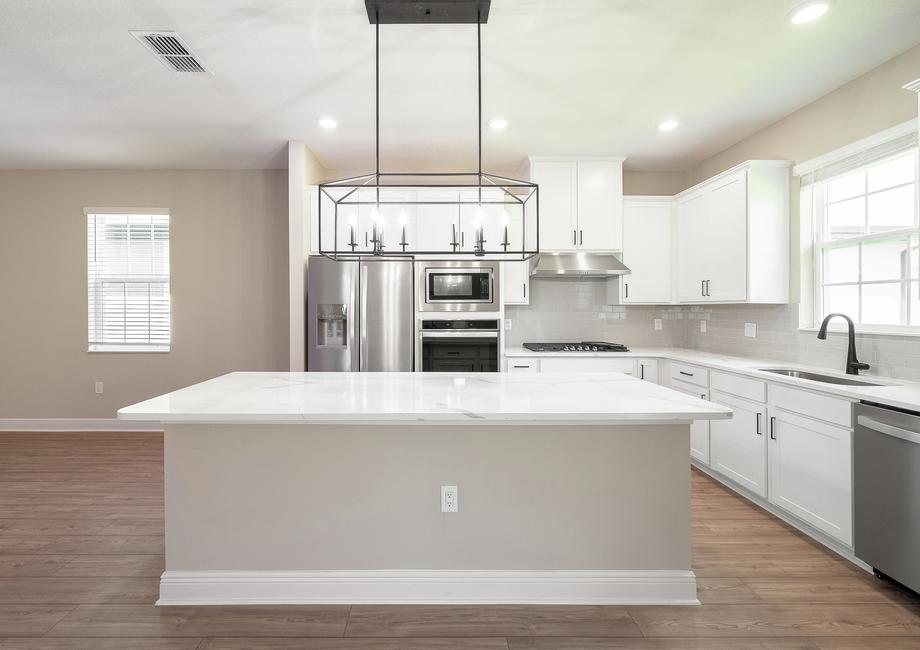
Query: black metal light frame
{"x": 345, "y": 192}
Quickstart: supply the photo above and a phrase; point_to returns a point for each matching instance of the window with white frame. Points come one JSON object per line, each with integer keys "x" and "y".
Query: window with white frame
{"x": 865, "y": 222}
{"x": 128, "y": 274}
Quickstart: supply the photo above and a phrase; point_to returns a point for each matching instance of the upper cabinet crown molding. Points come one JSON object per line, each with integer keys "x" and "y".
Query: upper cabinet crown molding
{"x": 581, "y": 202}
{"x": 760, "y": 164}
{"x": 913, "y": 86}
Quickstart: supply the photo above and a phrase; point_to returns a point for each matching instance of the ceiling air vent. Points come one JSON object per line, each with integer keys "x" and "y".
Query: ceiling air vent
{"x": 169, "y": 48}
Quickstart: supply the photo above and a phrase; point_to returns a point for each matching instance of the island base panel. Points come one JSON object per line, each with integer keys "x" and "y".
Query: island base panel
{"x": 351, "y": 513}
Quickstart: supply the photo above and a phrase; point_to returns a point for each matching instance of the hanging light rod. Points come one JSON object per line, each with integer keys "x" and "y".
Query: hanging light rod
{"x": 417, "y": 12}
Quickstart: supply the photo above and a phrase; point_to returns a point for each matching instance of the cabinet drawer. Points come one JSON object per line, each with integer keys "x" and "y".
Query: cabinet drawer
{"x": 688, "y": 373}
{"x": 745, "y": 387}
{"x": 569, "y": 364}
{"x": 814, "y": 405}
{"x": 523, "y": 365}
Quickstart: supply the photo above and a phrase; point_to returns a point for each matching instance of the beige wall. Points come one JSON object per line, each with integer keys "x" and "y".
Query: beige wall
{"x": 653, "y": 183}
{"x": 867, "y": 105}
{"x": 229, "y": 285}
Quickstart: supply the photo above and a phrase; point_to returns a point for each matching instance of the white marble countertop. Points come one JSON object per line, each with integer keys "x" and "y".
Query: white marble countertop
{"x": 893, "y": 392}
{"x": 408, "y": 397}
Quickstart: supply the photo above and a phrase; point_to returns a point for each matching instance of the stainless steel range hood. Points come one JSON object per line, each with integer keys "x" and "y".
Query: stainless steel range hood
{"x": 580, "y": 265}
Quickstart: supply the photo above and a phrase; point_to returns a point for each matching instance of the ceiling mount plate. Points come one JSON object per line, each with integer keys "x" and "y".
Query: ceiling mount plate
{"x": 418, "y": 12}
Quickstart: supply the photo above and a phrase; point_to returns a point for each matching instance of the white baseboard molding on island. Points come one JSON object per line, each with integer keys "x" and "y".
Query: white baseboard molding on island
{"x": 66, "y": 425}
{"x": 453, "y": 587}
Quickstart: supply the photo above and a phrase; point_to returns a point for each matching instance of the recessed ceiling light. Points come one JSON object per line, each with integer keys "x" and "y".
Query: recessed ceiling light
{"x": 808, "y": 11}
{"x": 497, "y": 124}
{"x": 668, "y": 125}
{"x": 328, "y": 123}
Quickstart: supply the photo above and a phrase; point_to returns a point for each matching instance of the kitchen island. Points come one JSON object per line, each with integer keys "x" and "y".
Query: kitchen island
{"x": 326, "y": 488}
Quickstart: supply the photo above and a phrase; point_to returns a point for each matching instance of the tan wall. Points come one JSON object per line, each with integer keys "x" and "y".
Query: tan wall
{"x": 867, "y": 105}
{"x": 229, "y": 285}
{"x": 653, "y": 183}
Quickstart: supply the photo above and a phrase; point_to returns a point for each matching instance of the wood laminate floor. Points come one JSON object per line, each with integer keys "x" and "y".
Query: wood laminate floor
{"x": 81, "y": 547}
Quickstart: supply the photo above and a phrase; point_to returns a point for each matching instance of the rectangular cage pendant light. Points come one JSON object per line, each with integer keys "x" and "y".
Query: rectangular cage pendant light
{"x": 448, "y": 215}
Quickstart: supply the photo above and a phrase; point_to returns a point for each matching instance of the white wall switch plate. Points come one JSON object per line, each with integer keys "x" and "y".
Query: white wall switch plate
{"x": 508, "y": 323}
{"x": 449, "y": 499}
{"x": 702, "y": 326}
{"x": 750, "y": 329}
{"x": 99, "y": 388}
{"x": 658, "y": 324}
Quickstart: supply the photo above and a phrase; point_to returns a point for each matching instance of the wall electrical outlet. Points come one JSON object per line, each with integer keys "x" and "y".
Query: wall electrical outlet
{"x": 449, "y": 499}
{"x": 658, "y": 324}
{"x": 703, "y": 326}
{"x": 99, "y": 388}
{"x": 750, "y": 329}
{"x": 508, "y": 324}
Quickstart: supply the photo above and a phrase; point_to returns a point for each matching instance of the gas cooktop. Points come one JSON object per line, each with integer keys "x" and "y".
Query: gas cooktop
{"x": 584, "y": 346}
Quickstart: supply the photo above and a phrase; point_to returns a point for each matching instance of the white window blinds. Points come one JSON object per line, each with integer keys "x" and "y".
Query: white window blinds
{"x": 128, "y": 273}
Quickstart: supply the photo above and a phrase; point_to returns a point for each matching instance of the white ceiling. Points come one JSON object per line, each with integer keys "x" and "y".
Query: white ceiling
{"x": 588, "y": 77}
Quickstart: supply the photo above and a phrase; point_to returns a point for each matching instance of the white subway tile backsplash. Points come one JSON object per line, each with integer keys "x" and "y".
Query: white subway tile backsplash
{"x": 573, "y": 310}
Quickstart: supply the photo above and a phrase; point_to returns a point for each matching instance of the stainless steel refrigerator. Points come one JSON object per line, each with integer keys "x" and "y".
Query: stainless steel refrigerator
{"x": 360, "y": 315}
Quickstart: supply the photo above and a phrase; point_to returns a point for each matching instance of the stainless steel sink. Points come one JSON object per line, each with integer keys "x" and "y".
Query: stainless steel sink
{"x": 815, "y": 376}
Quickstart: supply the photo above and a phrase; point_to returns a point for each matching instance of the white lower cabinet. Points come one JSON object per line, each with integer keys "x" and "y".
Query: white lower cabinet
{"x": 647, "y": 370}
{"x": 738, "y": 448}
{"x": 594, "y": 364}
{"x": 699, "y": 429}
{"x": 811, "y": 472}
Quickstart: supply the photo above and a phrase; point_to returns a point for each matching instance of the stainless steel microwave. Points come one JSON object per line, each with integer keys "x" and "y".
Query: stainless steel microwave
{"x": 458, "y": 286}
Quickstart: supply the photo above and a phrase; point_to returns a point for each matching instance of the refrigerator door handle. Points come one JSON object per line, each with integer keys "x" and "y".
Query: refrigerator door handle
{"x": 362, "y": 319}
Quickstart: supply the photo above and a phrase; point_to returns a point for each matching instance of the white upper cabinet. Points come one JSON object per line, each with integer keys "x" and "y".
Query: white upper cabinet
{"x": 516, "y": 282}
{"x": 581, "y": 203}
{"x": 647, "y": 250}
{"x": 600, "y": 201}
{"x": 733, "y": 236}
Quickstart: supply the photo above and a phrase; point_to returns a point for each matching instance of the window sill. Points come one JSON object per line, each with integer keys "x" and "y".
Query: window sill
{"x": 109, "y": 347}
{"x": 869, "y": 331}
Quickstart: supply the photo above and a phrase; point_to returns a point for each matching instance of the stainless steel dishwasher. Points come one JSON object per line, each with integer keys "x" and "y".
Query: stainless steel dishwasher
{"x": 886, "y": 482}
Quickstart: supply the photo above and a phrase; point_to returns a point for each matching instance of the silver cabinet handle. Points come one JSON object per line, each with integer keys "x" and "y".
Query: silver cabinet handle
{"x": 757, "y": 428}
{"x": 581, "y": 237}
{"x": 525, "y": 289}
{"x": 574, "y": 238}
{"x": 702, "y": 287}
{"x": 707, "y": 289}
{"x": 641, "y": 371}
{"x": 772, "y": 428}
{"x": 689, "y": 374}
{"x": 888, "y": 429}
{"x": 520, "y": 366}
{"x": 626, "y": 284}
{"x": 462, "y": 239}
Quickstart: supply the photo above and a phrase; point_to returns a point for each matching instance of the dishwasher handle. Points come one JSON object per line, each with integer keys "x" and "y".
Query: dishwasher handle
{"x": 888, "y": 429}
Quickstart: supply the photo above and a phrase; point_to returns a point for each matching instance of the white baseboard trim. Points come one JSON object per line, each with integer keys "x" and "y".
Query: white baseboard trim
{"x": 76, "y": 424}
{"x": 454, "y": 587}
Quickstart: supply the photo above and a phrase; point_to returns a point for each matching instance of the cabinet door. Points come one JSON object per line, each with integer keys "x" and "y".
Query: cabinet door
{"x": 692, "y": 247}
{"x": 727, "y": 240}
{"x": 600, "y": 205}
{"x": 515, "y": 283}
{"x": 810, "y": 472}
{"x": 594, "y": 364}
{"x": 647, "y": 370}
{"x": 647, "y": 251}
{"x": 738, "y": 446}
{"x": 557, "y": 181}
{"x": 699, "y": 429}
{"x": 438, "y": 218}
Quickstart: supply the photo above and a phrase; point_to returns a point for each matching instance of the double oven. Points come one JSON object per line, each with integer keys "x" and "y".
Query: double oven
{"x": 458, "y": 316}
